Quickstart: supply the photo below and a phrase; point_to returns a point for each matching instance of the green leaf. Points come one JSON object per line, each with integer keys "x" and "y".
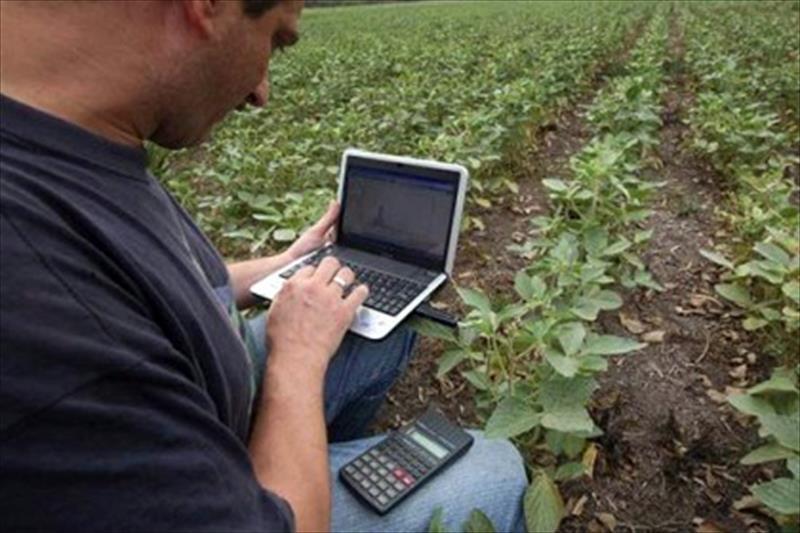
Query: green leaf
{"x": 475, "y": 298}
{"x": 792, "y": 291}
{"x": 607, "y": 300}
{"x": 785, "y": 429}
{"x": 718, "y": 258}
{"x": 568, "y": 419}
{"x": 570, "y": 471}
{"x": 585, "y": 309}
{"x": 735, "y": 293}
{"x": 570, "y": 336}
{"x": 751, "y": 405}
{"x": 777, "y": 383}
{"x": 436, "y": 524}
{"x": 773, "y": 253}
{"x": 477, "y": 379}
{"x": 560, "y": 391}
{"x": 768, "y": 452}
{"x": 617, "y": 248}
{"x": 555, "y": 185}
{"x": 284, "y": 235}
{"x": 449, "y": 360}
{"x": 478, "y": 523}
{"x": 793, "y": 464}
{"x": 429, "y": 328}
{"x": 593, "y": 363}
{"x": 543, "y": 505}
{"x": 510, "y": 418}
{"x": 522, "y": 284}
{"x": 611, "y": 345}
{"x": 752, "y": 323}
{"x": 566, "y": 366}
{"x": 781, "y": 495}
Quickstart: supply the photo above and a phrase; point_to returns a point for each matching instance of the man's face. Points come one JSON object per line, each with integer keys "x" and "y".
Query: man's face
{"x": 229, "y": 70}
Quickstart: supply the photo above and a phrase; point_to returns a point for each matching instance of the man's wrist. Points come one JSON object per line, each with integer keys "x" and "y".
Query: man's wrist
{"x": 285, "y": 376}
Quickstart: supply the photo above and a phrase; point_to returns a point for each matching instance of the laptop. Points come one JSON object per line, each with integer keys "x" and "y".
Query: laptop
{"x": 397, "y": 230}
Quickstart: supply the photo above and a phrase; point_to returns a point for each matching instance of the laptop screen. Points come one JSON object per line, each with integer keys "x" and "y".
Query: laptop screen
{"x": 399, "y": 210}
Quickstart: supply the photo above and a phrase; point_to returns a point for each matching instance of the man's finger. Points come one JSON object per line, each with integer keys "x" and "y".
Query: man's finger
{"x": 305, "y": 272}
{"x": 357, "y": 297}
{"x": 326, "y": 269}
{"x": 328, "y": 219}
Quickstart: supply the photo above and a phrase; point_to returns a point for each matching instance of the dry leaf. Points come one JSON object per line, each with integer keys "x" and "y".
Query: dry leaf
{"x": 716, "y": 396}
{"x": 654, "y": 336}
{"x": 631, "y": 324}
{"x": 578, "y": 509}
{"x": 733, "y": 390}
{"x": 707, "y": 526}
{"x": 751, "y": 358}
{"x": 589, "y": 458}
{"x": 704, "y": 379}
{"x": 739, "y": 372}
{"x": 608, "y": 520}
{"x": 746, "y": 502}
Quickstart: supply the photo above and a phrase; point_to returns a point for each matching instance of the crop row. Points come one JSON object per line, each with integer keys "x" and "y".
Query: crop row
{"x": 532, "y": 356}
{"x": 734, "y": 124}
{"x": 444, "y": 81}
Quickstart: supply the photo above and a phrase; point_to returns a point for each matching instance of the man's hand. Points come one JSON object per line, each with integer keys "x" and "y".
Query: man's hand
{"x": 245, "y": 273}
{"x": 317, "y": 235}
{"x": 288, "y": 444}
{"x": 309, "y": 317}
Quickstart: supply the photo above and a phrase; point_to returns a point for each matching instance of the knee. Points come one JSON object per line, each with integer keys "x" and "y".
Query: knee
{"x": 499, "y": 462}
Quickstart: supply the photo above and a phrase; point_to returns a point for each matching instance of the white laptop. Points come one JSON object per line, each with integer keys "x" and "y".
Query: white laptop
{"x": 397, "y": 230}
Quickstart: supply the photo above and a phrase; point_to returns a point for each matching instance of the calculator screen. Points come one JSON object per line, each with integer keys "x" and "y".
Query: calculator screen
{"x": 437, "y": 450}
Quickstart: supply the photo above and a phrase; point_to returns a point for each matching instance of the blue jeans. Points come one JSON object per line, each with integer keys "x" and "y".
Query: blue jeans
{"x": 490, "y": 476}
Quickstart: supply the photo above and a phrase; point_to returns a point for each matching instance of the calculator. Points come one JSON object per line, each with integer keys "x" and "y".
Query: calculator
{"x": 406, "y": 459}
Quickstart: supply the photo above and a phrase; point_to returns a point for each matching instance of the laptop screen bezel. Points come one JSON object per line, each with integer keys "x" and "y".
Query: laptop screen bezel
{"x": 395, "y": 164}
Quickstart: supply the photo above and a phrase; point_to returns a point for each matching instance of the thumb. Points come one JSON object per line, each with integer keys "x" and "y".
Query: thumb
{"x": 329, "y": 217}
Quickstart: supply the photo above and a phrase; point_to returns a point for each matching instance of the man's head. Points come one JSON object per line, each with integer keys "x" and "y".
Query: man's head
{"x": 224, "y": 55}
{"x": 165, "y": 71}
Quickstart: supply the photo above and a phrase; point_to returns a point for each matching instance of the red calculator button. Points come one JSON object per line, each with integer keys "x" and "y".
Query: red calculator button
{"x": 408, "y": 480}
{"x": 399, "y": 473}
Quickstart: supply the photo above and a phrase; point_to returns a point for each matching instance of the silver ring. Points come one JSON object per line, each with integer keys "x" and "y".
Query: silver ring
{"x": 340, "y": 282}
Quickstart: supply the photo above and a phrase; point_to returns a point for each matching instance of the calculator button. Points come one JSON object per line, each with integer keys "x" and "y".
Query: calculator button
{"x": 399, "y": 486}
{"x": 374, "y": 478}
{"x": 383, "y": 485}
{"x": 365, "y": 470}
{"x": 350, "y": 469}
{"x": 365, "y": 483}
{"x": 373, "y": 491}
{"x": 373, "y": 465}
{"x": 391, "y": 493}
{"x": 391, "y": 465}
{"x": 382, "y": 459}
{"x": 383, "y": 500}
{"x": 357, "y": 463}
{"x": 382, "y": 471}
{"x": 408, "y": 480}
{"x": 358, "y": 476}
{"x": 399, "y": 473}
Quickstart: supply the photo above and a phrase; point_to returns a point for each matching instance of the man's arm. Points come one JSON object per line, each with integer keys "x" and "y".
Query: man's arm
{"x": 246, "y": 273}
{"x": 288, "y": 445}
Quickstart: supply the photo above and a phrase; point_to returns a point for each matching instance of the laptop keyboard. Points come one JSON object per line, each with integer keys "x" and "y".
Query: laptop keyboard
{"x": 387, "y": 294}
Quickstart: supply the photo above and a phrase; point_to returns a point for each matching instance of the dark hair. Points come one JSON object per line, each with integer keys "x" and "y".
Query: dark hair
{"x": 256, "y": 8}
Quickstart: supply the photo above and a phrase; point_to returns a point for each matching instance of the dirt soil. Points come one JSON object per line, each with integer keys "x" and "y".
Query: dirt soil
{"x": 668, "y": 459}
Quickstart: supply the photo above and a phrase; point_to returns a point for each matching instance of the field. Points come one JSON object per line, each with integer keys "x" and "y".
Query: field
{"x": 628, "y": 279}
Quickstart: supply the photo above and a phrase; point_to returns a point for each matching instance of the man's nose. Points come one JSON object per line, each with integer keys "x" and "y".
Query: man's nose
{"x": 261, "y": 93}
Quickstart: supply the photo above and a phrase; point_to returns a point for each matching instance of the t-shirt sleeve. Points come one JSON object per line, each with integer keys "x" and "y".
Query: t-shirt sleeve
{"x": 104, "y": 425}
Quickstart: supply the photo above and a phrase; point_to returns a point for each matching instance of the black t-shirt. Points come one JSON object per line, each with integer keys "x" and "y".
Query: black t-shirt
{"x": 125, "y": 390}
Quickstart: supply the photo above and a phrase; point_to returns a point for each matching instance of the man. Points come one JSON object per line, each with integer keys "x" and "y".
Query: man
{"x": 132, "y": 396}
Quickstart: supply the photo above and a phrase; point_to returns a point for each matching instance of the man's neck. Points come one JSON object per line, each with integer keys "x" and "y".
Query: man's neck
{"x": 62, "y": 75}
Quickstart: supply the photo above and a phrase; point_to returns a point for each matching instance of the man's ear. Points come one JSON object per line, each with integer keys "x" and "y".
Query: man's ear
{"x": 201, "y": 15}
